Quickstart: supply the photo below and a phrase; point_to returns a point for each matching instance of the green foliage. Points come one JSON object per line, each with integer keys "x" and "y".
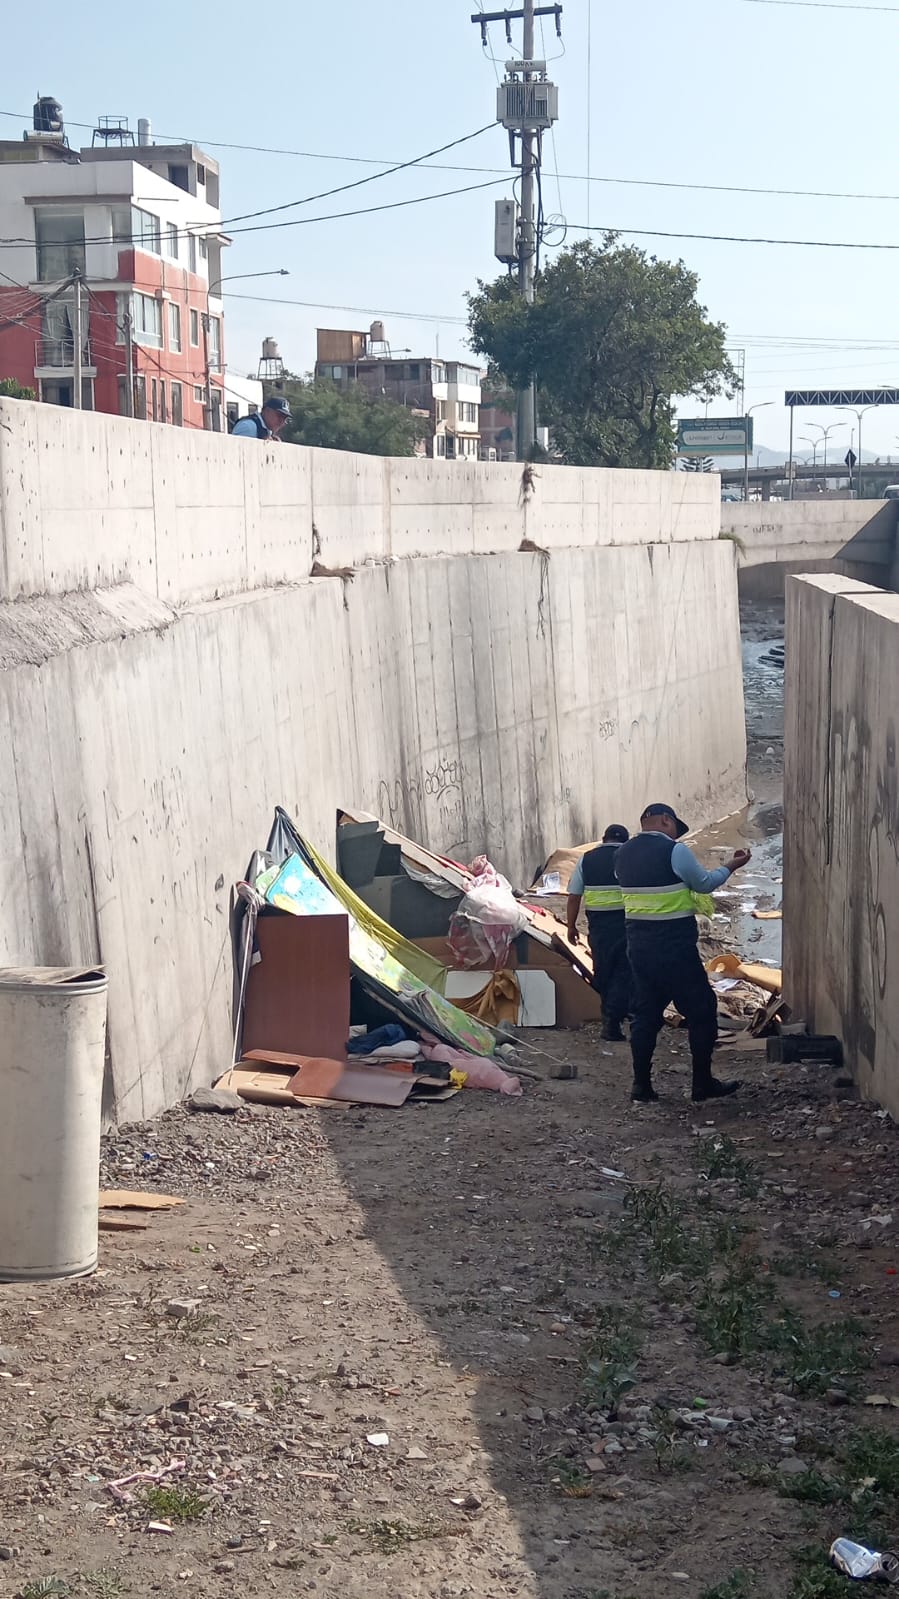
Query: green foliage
{"x": 820, "y": 1357}
{"x": 815, "y": 1578}
{"x": 609, "y": 1358}
{"x": 350, "y": 419}
{"x": 168, "y": 1502}
{"x": 613, "y": 337}
{"x": 11, "y": 390}
{"x": 739, "y": 1585}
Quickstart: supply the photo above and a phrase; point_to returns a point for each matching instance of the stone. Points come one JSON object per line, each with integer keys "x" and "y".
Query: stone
{"x": 224, "y": 1567}
{"x": 837, "y": 1396}
{"x": 534, "y": 1414}
{"x": 613, "y": 1447}
{"x": 180, "y": 1309}
{"x": 742, "y": 1414}
{"x": 823, "y": 1134}
{"x": 471, "y": 1502}
{"x": 8, "y": 1551}
{"x": 223, "y": 1100}
{"x": 725, "y": 1358}
{"x": 888, "y": 1356}
{"x": 792, "y": 1466}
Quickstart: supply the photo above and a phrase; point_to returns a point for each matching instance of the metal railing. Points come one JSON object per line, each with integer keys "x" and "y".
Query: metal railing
{"x": 59, "y": 353}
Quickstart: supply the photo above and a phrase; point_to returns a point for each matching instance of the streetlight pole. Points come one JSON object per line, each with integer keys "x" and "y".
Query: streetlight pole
{"x": 759, "y": 406}
{"x": 858, "y": 413}
{"x": 814, "y": 444}
{"x": 216, "y": 283}
{"x": 825, "y": 433}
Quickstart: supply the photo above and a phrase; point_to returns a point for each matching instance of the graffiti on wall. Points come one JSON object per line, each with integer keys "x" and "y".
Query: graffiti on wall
{"x": 428, "y": 806}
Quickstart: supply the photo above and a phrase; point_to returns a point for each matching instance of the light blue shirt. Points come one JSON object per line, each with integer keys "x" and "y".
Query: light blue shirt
{"x": 576, "y": 882}
{"x": 689, "y": 870}
{"x": 246, "y": 429}
{"x": 683, "y": 863}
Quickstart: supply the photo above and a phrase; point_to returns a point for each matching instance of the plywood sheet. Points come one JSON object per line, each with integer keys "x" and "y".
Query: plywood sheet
{"x": 298, "y": 994}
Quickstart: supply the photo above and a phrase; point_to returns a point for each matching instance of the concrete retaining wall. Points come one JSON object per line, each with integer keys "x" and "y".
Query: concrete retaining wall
{"x": 777, "y": 540}
{"x": 169, "y": 672}
{"x": 841, "y": 841}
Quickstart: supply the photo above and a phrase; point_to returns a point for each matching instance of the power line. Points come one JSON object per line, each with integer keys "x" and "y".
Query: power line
{"x": 823, "y": 5}
{"x": 354, "y": 310}
{"x": 400, "y": 166}
{"x": 568, "y": 177}
{"x": 733, "y": 238}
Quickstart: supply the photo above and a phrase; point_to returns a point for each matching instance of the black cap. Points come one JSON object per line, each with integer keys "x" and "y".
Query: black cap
{"x": 276, "y": 402}
{"x": 615, "y": 834}
{"x": 666, "y": 810}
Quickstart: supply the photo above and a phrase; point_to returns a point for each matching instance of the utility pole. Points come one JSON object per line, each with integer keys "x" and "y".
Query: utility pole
{"x": 128, "y": 326}
{"x": 527, "y": 258}
{"x": 77, "y": 353}
{"x": 527, "y": 104}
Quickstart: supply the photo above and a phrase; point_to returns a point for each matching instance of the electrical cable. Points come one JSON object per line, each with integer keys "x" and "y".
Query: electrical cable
{"x": 401, "y": 166}
{"x": 732, "y": 238}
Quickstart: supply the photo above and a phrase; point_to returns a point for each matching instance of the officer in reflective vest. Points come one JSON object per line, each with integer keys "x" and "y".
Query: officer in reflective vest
{"x": 664, "y": 887}
{"x": 593, "y": 881}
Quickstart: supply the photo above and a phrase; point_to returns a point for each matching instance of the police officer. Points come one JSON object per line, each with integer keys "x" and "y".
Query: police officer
{"x": 593, "y": 880}
{"x": 664, "y": 886}
{"x": 264, "y": 424}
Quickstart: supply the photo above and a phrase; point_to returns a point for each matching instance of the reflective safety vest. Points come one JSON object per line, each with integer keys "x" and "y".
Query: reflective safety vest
{"x": 601, "y": 891}
{"x": 651, "y": 889}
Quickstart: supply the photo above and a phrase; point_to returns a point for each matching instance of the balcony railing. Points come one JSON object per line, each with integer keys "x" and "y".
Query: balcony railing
{"x": 60, "y": 353}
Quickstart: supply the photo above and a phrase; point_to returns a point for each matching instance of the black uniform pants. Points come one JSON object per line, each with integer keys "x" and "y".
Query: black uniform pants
{"x": 667, "y": 969}
{"x": 611, "y": 968}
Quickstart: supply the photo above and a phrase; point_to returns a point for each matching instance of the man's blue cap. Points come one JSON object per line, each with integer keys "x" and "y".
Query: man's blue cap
{"x": 666, "y": 810}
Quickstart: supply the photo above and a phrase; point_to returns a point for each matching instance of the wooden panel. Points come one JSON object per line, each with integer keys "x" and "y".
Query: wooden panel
{"x": 298, "y": 994}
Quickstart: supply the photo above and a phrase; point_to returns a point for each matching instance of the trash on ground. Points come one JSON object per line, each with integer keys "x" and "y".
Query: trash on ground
{"x": 767, "y": 916}
{"x": 130, "y": 1199}
{"x": 854, "y": 1560}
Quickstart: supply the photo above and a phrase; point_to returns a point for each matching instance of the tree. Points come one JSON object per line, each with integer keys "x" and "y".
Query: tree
{"x": 613, "y": 337}
{"x": 350, "y": 419}
{"x": 11, "y": 390}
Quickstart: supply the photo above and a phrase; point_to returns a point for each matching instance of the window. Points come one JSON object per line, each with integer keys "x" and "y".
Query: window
{"x": 140, "y": 397}
{"x": 146, "y": 320}
{"x": 60, "y": 244}
{"x": 171, "y": 241}
{"x": 154, "y": 399}
{"x": 163, "y": 409}
{"x": 441, "y": 410}
{"x": 192, "y": 251}
{"x": 177, "y": 405}
{"x": 215, "y": 343}
{"x": 201, "y": 174}
{"x": 180, "y": 176}
{"x": 413, "y": 372}
{"x": 174, "y": 327}
{"x": 202, "y": 248}
{"x": 145, "y": 231}
{"x": 199, "y": 394}
{"x": 394, "y": 371}
{"x": 195, "y": 328}
{"x": 440, "y": 444}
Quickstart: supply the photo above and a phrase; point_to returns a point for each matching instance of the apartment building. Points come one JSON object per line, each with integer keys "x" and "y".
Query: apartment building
{"x": 447, "y": 393}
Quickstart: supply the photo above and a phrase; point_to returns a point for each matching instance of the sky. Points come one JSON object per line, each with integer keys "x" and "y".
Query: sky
{"x": 741, "y": 94}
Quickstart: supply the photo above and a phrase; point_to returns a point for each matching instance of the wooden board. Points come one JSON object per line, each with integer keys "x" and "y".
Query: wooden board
{"x": 130, "y": 1199}
{"x": 298, "y": 993}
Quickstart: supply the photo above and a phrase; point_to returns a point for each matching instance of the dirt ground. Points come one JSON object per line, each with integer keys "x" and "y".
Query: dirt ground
{"x": 589, "y": 1383}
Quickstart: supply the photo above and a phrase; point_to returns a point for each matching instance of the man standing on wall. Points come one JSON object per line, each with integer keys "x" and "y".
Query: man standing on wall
{"x": 664, "y": 886}
{"x": 593, "y": 880}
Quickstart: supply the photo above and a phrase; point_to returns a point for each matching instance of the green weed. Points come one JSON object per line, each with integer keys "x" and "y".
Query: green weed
{"x": 168, "y": 1502}
{"x": 572, "y": 1479}
{"x": 812, "y": 1488}
{"x": 102, "y": 1584}
{"x": 718, "y": 1159}
{"x": 815, "y": 1578}
{"x": 609, "y": 1358}
{"x": 729, "y": 1310}
{"x": 45, "y": 1588}
{"x": 814, "y": 1359}
{"x": 739, "y": 1585}
{"x": 671, "y": 1451}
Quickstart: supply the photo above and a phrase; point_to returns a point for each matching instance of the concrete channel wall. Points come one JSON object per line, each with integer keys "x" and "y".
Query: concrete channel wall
{"x": 775, "y": 540}
{"x": 779, "y": 540}
{"x": 170, "y": 670}
{"x": 841, "y": 838}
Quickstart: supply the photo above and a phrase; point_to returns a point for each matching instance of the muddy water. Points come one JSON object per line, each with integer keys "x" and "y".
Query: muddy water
{"x": 760, "y": 826}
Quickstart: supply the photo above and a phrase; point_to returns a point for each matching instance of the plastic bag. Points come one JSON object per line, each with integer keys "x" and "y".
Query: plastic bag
{"x": 489, "y": 918}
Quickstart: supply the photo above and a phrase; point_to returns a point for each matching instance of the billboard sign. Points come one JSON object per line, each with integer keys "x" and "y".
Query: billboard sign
{"x": 715, "y": 435}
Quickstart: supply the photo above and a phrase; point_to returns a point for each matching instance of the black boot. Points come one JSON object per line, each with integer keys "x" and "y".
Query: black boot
{"x": 643, "y": 1092}
{"x": 709, "y": 1087}
{"x": 611, "y": 1032}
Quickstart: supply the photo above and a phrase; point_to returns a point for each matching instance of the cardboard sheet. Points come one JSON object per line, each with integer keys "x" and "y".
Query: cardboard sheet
{"x": 361, "y": 1085}
{"x": 130, "y": 1199}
